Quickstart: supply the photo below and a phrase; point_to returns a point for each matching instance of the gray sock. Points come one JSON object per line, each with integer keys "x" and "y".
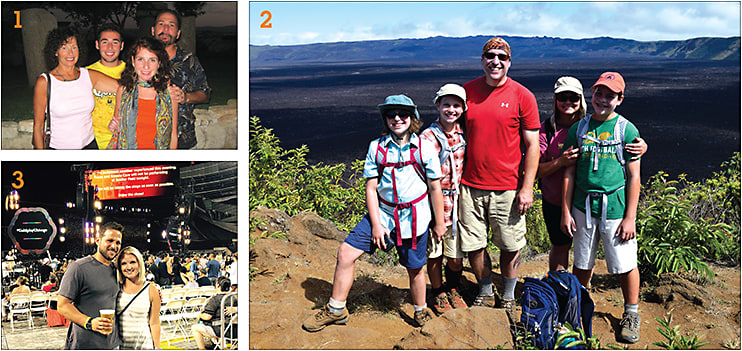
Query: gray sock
{"x": 485, "y": 285}
{"x": 336, "y": 307}
{"x": 509, "y": 287}
{"x": 627, "y": 307}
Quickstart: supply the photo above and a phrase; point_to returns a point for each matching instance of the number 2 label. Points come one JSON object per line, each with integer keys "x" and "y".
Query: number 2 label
{"x": 267, "y": 23}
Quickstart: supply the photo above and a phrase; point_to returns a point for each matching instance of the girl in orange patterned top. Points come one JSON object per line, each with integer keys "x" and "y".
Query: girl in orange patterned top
{"x": 146, "y": 118}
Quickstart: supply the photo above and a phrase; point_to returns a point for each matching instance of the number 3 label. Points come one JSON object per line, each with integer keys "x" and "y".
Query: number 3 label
{"x": 267, "y": 23}
{"x": 19, "y": 178}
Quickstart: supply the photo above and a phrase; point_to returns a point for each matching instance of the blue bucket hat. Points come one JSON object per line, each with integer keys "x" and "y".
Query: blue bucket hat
{"x": 398, "y": 101}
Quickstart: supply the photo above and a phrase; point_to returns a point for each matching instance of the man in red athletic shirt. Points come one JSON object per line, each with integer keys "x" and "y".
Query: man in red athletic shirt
{"x": 502, "y": 154}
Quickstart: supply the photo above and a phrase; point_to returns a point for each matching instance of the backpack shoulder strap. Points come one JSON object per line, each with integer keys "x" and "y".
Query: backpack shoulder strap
{"x": 441, "y": 138}
{"x": 619, "y": 131}
{"x": 381, "y": 158}
{"x": 418, "y": 157}
{"x": 582, "y": 126}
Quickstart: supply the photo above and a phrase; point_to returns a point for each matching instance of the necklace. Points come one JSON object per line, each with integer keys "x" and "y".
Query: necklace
{"x": 77, "y": 75}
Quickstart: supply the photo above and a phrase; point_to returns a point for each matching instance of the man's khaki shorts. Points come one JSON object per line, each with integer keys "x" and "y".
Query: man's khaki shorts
{"x": 450, "y": 246}
{"x": 480, "y": 210}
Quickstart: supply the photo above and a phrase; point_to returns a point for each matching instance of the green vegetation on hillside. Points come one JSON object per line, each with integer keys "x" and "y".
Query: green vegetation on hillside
{"x": 680, "y": 224}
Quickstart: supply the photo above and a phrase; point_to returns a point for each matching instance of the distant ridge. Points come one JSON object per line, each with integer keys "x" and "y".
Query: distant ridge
{"x": 447, "y": 49}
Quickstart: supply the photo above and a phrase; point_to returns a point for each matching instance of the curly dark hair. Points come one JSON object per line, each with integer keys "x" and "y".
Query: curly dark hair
{"x": 161, "y": 79}
{"x": 56, "y": 38}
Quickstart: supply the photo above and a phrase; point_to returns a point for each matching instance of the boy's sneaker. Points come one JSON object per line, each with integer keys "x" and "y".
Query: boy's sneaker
{"x": 456, "y": 300}
{"x": 630, "y": 327}
{"x": 324, "y": 318}
{"x": 423, "y": 316}
{"x": 440, "y": 303}
{"x": 485, "y": 300}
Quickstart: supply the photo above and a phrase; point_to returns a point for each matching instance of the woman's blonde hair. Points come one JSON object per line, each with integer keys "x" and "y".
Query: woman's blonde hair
{"x": 140, "y": 261}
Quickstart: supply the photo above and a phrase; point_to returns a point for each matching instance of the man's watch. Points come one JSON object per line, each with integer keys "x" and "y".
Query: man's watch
{"x": 89, "y": 324}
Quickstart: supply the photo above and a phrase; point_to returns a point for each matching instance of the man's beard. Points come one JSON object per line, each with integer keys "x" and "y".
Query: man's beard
{"x": 170, "y": 40}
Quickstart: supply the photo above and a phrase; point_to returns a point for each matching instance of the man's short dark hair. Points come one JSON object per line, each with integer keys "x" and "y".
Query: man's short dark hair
{"x": 112, "y": 226}
{"x": 174, "y": 13}
{"x": 108, "y": 27}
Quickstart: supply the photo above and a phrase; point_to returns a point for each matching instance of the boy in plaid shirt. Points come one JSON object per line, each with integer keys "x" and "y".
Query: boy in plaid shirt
{"x": 448, "y": 137}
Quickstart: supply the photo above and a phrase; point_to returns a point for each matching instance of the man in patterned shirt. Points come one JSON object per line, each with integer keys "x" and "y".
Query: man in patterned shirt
{"x": 188, "y": 82}
{"x": 448, "y": 137}
{"x": 109, "y": 43}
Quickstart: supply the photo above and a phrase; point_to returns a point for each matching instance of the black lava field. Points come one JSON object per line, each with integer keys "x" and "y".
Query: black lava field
{"x": 688, "y": 111}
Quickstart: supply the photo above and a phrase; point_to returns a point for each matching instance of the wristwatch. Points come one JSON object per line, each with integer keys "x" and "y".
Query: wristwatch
{"x": 89, "y": 324}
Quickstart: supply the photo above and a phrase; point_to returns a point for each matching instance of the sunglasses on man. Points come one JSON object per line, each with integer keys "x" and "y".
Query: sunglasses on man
{"x": 492, "y": 55}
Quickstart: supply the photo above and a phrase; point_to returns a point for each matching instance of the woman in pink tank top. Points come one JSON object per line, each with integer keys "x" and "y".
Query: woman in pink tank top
{"x": 71, "y": 101}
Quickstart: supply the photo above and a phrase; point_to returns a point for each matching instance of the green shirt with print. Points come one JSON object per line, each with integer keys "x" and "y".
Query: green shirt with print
{"x": 610, "y": 174}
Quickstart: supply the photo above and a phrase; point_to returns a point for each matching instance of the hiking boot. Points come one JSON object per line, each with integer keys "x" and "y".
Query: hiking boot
{"x": 324, "y": 318}
{"x": 485, "y": 300}
{"x": 456, "y": 300}
{"x": 509, "y": 306}
{"x": 440, "y": 303}
{"x": 423, "y": 316}
{"x": 630, "y": 327}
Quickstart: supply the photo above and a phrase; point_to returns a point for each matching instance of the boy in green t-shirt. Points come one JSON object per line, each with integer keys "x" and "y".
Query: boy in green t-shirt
{"x": 599, "y": 184}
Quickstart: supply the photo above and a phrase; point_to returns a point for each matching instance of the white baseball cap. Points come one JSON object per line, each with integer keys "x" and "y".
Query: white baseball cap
{"x": 451, "y": 89}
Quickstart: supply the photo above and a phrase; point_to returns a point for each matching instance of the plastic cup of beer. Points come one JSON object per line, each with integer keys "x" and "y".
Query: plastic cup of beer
{"x": 108, "y": 313}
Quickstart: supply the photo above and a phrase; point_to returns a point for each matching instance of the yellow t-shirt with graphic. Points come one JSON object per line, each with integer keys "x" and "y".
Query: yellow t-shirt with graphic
{"x": 104, "y": 104}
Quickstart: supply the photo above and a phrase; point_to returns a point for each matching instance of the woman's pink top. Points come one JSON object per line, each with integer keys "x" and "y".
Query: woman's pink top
{"x": 71, "y": 106}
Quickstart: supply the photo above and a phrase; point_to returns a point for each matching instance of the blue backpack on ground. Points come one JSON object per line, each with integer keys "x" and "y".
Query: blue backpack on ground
{"x": 575, "y": 305}
{"x": 540, "y": 313}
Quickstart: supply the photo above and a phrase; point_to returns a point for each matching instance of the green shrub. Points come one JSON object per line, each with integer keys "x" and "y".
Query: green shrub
{"x": 536, "y": 234}
{"x": 681, "y": 223}
{"x": 675, "y": 340}
{"x": 283, "y": 179}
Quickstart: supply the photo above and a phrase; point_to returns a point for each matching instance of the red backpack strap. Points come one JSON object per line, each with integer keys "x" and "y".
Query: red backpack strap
{"x": 380, "y": 164}
{"x": 418, "y": 161}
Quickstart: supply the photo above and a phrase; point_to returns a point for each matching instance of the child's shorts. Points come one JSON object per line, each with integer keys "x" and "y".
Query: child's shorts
{"x": 480, "y": 210}
{"x": 360, "y": 238}
{"x": 553, "y": 221}
{"x": 450, "y": 246}
{"x": 620, "y": 257}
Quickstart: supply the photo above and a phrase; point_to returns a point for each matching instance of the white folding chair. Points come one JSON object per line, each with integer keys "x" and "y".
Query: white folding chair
{"x": 171, "y": 313}
{"x": 208, "y": 291}
{"x": 189, "y": 314}
{"x": 165, "y": 296}
{"x": 20, "y": 304}
{"x": 39, "y": 302}
{"x": 177, "y": 295}
{"x": 191, "y": 293}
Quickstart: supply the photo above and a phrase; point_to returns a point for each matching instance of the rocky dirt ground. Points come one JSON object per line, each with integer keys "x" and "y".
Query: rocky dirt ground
{"x": 292, "y": 276}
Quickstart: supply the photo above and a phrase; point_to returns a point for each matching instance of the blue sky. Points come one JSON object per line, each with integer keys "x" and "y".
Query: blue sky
{"x": 313, "y": 22}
